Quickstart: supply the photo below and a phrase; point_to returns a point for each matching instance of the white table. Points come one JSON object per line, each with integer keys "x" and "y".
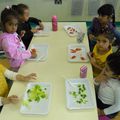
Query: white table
{"x": 52, "y": 71}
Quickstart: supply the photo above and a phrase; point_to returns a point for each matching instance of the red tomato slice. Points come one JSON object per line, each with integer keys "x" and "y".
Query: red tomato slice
{"x": 78, "y": 49}
{"x": 82, "y": 58}
{"x": 73, "y": 51}
{"x": 73, "y": 57}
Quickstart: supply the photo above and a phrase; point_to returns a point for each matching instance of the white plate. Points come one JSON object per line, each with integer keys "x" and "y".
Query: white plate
{"x": 72, "y": 30}
{"x": 71, "y": 85}
{"x": 42, "y": 52}
{"x": 41, "y": 107}
{"x": 44, "y": 32}
{"x": 77, "y": 53}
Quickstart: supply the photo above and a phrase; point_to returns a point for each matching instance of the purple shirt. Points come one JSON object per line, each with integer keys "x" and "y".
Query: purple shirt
{"x": 14, "y": 49}
{"x": 96, "y": 27}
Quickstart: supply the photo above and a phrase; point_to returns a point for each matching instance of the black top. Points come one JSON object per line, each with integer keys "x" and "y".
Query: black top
{"x": 25, "y": 26}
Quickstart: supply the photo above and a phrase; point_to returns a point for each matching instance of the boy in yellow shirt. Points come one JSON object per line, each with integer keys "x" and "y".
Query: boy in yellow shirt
{"x": 4, "y": 89}
{"x": 101, "y": 51}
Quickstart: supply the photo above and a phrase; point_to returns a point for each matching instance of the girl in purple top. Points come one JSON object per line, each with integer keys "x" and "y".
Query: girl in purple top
{"x": 103, "y": 23}
{"x": 10, "y": 42}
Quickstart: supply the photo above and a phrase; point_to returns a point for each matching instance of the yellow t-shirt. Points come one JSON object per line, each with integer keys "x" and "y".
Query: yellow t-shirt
{"x": 3, "y": 84}
{"x": 100, "y": 60}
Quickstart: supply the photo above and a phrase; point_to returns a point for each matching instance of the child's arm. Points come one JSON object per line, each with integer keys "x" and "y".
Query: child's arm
{"x": 31, "y": 76}
{"x": 116, "y": 106}
{"x": 101, "y": 77}
{"x": 93, "y": 61}
{"x": 37, "y": 22}
{"x": 6, "y": 100}
{"x": 100, "y": 112}
{"x": 15, "y": 76}
{"x": 117, "y": 117}
{"x": 91, "y": 37}
{"x": 12, "y": 50}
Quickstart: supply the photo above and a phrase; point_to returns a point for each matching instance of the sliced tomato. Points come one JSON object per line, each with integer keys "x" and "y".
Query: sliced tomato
{"x": 73, "y": 57}
{"x": 78, "y": 49}
{"x": 73, "y": 51}
{"x": 82, "y": 58}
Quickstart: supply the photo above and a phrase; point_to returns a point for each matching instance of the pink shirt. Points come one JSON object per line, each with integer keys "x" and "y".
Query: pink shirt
{"x": 14, "y": 49}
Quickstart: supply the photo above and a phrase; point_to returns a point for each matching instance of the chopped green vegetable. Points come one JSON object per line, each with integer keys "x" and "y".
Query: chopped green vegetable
{"x": 36, "y": 93}
{"x": 80, "y": 96}
{"x": 25, "y": 103}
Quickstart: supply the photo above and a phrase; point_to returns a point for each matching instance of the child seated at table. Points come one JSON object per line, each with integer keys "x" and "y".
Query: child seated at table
{"x": 103, "y": 23}
{"x": 10, "y": 42}
{"x": 102, "y": 49}
{"x": 4, "y": 88}
{"x": 24, "y": 28}
{"x": 108, "y": 95}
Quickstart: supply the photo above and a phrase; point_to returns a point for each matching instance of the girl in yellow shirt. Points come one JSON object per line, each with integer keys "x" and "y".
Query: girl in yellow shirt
{"x": 4, "y": 86}
{"x": 101, "y": 51}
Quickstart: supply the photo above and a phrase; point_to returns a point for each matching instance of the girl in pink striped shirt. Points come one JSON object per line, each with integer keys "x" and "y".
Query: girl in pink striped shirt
{"x": 10, "y": 42}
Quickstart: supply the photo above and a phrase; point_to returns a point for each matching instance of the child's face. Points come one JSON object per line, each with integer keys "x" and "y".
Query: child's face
{"x": 25, "y": 15}
{"x": 104, "y": 19}
{"x": 11, "y": 26}
{"x": 102, "y": 43}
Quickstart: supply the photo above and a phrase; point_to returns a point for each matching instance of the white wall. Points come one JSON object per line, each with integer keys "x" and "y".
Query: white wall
{"x": 44, "y": 9}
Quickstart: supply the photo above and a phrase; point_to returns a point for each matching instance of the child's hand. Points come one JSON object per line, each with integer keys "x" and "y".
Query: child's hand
{"x": 22, "y": 33}
{"x": 91, "y": 36}
{"x": 35, "y": 30}
{"x": 101, "y": 77}
{"x": 33, "y": 53}
{"x": 117, "y": 117}
{"x": 31, "y": 76}
{"x": 100, "y": 112}
{"x": 41, "y": 26}
{"x": 11, "y": 99}
{"x": 92, "y": 59}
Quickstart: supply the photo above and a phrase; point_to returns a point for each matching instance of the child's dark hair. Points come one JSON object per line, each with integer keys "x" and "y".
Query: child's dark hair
{"x": 109, "y": 35}
{"x": 107, "y": 9}
{"x": 20, "y": 8}
{"x": 7, "y": 14}
{"x": 113, "y": 61}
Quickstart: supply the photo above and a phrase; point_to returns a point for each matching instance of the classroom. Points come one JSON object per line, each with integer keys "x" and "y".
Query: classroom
{"x": 59, "y": 59}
